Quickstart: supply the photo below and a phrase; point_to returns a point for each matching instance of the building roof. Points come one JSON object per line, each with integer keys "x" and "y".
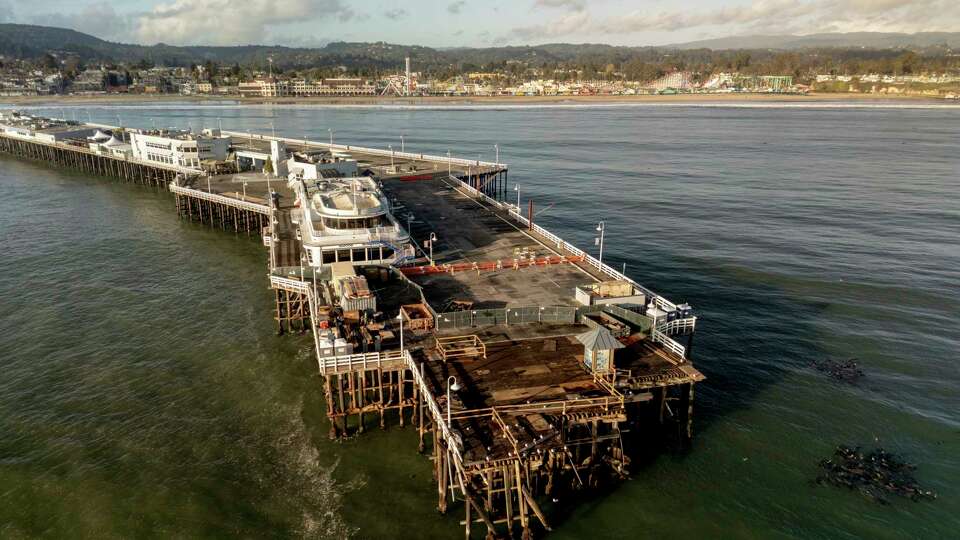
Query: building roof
{"x": 115, "y": 142}
{"x": 599, "y": 338}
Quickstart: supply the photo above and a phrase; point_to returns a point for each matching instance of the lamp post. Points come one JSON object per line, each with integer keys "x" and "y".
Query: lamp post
{"x": 330, "y": 130}
{"x": 392, "y": 166}
{"x": 433, "y": 238}
{"x": 402, "y": 147}
{"x": 601, "y": 227}
{"x": 449, "y": 164}
{"x": 273, "y": 130}
{"x": 496, "y": 148}
{"x": 400, "y": 318}
{"x": 455, "y": 386}
{"x": 516, "y": 187}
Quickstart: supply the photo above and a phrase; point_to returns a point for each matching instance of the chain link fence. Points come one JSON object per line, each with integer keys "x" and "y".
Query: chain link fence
{"x": 506, "y": 316}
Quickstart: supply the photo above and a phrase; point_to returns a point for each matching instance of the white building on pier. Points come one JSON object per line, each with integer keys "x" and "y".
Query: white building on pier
{"x": 348, "y": 220}
{"x": 181, "y": 148}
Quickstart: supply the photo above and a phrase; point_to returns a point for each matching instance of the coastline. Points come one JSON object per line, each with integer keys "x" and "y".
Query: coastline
{"x": 477, "y": 100}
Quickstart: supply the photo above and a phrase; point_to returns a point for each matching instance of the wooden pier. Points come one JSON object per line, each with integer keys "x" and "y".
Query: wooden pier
{"x": 520, "y": 390}
{"x": 82, "y": 159}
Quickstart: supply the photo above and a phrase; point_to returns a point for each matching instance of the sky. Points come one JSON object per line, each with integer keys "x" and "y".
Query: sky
{"x": 472, "y": 23}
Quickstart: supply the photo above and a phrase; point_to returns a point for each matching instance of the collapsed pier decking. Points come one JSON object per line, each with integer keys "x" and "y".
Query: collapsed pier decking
{"x": 526, "y": 366}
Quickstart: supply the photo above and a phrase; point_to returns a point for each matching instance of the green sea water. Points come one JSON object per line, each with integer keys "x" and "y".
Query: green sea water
{"x": 143, "y": 392}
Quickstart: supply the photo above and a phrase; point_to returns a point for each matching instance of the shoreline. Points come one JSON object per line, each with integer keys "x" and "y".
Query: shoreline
{"x": 478, "y": 100}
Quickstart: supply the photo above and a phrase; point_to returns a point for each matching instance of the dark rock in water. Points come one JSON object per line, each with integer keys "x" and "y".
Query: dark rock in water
{"x": 875, "y": 475}
{"x": 842, "y": 370}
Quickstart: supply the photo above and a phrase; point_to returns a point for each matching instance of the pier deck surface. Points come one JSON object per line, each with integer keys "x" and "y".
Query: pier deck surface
{"x": 470, "y": 232}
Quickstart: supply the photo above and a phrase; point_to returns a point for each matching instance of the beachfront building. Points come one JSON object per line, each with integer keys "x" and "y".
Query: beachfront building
{"x": 264, "y": 87}
{"x": 181, "y": 148}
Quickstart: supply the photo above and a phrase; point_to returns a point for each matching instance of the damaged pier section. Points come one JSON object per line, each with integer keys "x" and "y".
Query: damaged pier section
{"x": 522, "y": 362}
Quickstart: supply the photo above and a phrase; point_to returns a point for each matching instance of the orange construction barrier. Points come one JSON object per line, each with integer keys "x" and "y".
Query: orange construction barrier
{"x": 516, "y": 264}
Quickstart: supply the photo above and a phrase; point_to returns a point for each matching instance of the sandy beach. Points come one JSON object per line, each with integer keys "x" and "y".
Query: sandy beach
{"x": 474, "y": 100}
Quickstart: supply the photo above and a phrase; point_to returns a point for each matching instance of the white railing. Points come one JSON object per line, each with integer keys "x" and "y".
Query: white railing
{"x": 659, "y": 337}
{"x": 349, "y": 362}
{"x": 677, "y": 325}
{"x": 221, "y": 199}
{"x": 392, "y": 233}
{"x": 439, "y": 419}
{"x": 373, "y": 151}
{"x": 562, "y": 244}
{"x": 304, "y": 288}
{"x": 292, "y": 285}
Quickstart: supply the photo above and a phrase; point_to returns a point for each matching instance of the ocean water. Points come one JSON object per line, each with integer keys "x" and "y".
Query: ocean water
{"x": 143, "y": 392}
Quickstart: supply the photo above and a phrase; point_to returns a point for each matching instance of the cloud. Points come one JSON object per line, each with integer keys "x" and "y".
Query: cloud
{"x": 569, "y": 24}
{"x": 572, "y": 5}
{"x": 98, "y": 19}
{"x": 456, "y": 7}
{"x": 6, "y": 12}
{"x": 396, "y": 13}
{"x": 775, "y": 16}
{"x": 230, "y": 22}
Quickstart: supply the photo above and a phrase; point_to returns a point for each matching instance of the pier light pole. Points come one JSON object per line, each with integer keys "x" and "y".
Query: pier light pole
{"x": 449, "y": 164}
{"x": 433, "y": 238}
{"x": 516, "y": 187}
{"x": 400, "y": 318}
{"x": 331, "y": 135}
{"x": 496, "y": 148}
{"x": 273, "y": 130}
{"x": 392, "y": 166}
{"x": 402, "y": 147}
{"x": 455, "y": 386}
{"x": 601, "y": 227}
{"x": 220, "y": 124}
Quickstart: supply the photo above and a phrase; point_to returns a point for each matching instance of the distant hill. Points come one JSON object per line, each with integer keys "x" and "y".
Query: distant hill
{"x": 30, "y": 41}
{"x": 870, "y": 40}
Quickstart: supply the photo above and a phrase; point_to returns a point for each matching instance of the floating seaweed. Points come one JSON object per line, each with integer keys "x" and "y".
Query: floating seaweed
{"x": 876, "y": 475}
{"x": 841, "y": 370}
